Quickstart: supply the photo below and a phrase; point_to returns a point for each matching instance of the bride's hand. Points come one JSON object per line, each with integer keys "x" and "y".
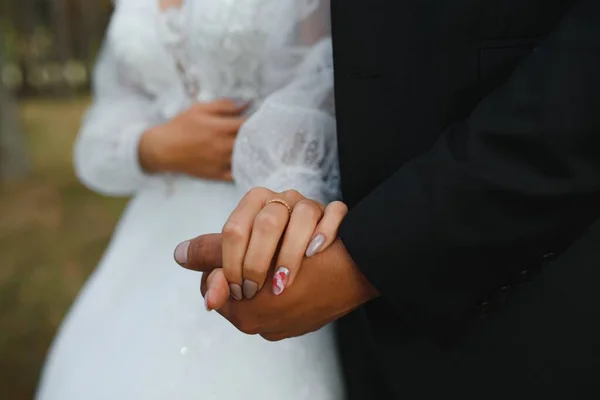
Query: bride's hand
{"x": 282, "y": 227}
{"x": 198, "y": 142}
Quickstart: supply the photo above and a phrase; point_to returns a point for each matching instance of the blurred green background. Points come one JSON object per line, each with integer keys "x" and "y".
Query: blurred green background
{"x": 53, "y": 231}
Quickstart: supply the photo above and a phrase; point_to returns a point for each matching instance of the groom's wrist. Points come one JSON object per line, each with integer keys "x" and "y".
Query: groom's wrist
{"x": 365, "y": 290}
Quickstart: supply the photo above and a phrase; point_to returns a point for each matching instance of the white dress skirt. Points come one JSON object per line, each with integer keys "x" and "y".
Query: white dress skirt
{"x": 139, "y": 329}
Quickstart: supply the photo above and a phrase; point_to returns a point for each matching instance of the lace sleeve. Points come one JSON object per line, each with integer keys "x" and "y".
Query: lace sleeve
{"x": 290, "y": 141}
{"x": 124, "y": 104}
{"x": 105, "y": 155}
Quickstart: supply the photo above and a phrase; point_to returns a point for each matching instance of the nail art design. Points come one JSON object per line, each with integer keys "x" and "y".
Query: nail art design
{"x": 280, "y": 280}
{"x": 250, "y": 288}
{"x": 315, "y": 245}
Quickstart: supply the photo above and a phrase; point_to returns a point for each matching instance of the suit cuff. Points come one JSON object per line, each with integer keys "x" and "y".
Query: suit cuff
{"x": 390, "y": 235}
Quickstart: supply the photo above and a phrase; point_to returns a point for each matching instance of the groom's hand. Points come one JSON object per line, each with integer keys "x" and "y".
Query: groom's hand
{"x": 327, "y": 287}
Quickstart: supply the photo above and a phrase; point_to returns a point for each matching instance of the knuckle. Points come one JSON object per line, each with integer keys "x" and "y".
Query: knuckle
{"x": 258, "y": 192}
{"x": 234, "y": 231}
{"x": 228, "y": 152}
{"x": 227, "y": 144}
{"x": 266, "y": 221}
{"x": 272, "y": 337}
{"x": 293, "y": 194}
{"x": 254, "y": 269}
{"x": 225, "y": 155}
{"x": 237, "y": 123}
{"x": 230, "y": 128}
{"x": 248, "y": 327}
{"x": 235, "y": 320}
{"x": 198, "y": 252}
{"x": 218, "y": 132}
{"x": 231, "y": 274}
{"x": 198, "y": 107}
{"x": 308, "y": 209}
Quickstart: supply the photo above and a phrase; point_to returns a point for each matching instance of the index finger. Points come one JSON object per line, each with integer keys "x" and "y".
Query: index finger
{"x": 260, "y": 315}
{"x": 226, "y": 125}
{"x": 215, "y": 289}
{"x": 203, "y": 253}
{"x": 226, "y": 107}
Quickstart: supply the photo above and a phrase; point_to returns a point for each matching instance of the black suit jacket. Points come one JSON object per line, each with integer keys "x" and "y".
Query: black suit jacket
{"x": 469, "y": 143}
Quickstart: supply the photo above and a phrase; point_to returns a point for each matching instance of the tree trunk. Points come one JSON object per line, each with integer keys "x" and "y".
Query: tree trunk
{"x": 13, "y": 160}
{"x": 91, "y": 32}
{"x": 62, "y": 42}
{"x": 27, "y": 20}
{"x": 60, "y": 25}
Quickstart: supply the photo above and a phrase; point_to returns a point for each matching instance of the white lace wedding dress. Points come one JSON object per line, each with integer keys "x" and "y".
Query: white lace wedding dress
{"x": 139, "y": 329}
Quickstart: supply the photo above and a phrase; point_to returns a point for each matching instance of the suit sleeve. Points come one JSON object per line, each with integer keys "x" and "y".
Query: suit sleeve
{"x": 517, "y": 180}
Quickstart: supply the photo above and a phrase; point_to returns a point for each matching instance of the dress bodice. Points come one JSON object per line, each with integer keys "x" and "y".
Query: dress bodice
{"x": 219, "y": 46}
{"x": 276, "y": 54}
{"x": 204, "y": 49}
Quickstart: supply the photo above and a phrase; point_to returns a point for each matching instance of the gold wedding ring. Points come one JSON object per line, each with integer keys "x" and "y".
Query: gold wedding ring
{"x": 282, "y": 202}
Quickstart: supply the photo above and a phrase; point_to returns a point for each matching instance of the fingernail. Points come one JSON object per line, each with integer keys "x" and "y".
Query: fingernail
{"x": 236, "y": 291}
{"x": 250, "y": 288}
{"x": 240, "y": 102}
{"x": 181, "y": 252}
{"x": 206, "y": 300}
{"x": 280, "y": 280}
{"x": 315, "y": 245}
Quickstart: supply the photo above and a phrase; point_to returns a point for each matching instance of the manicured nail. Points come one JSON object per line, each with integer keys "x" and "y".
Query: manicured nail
{"x": 206, "y": 300}
{"x": 181, "y": 252}
{"x": 315, "y": 245}
{"x": 235, "y": 290}
{"x": 250, "y": 289}
{"x": 280, "y": 280}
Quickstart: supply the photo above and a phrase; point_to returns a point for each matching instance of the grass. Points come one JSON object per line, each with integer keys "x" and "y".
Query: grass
{"x": 53, "y": 232}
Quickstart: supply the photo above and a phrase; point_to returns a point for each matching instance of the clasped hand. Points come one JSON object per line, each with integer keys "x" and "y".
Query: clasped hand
{"x": 290, "y": 241}
{"x": 198, "y": 142}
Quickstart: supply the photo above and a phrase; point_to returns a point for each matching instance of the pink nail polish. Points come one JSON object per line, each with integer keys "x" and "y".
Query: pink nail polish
{"x": 280, "y": 280}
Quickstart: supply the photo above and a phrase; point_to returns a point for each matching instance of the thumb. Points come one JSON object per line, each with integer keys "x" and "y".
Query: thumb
{"x": 200, "y": 254}
{"x": 215, "y": 289}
